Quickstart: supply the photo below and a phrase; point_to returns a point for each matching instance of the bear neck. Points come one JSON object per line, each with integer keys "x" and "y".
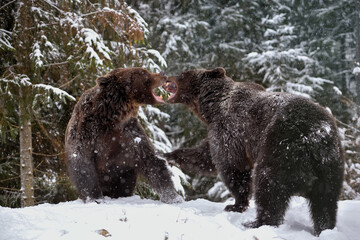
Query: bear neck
{"x": 212, "y": 94}
{"x": 112, "y": 105}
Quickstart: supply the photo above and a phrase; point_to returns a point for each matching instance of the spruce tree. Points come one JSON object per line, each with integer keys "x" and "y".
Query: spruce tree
{"x": 302, "y": 47}
{"x": 281, "y": 61}
{"x": 54, "y": 50}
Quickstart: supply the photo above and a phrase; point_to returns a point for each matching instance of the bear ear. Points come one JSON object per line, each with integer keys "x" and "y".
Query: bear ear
{"x": 104, "y": 80}
{"x": 217, "y": 73}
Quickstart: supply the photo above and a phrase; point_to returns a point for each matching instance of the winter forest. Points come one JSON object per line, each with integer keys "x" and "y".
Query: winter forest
{"x": 51, "y": 51}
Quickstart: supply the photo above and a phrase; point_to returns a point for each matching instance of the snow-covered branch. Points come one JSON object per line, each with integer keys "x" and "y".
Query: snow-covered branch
{"x": 54, "y": 6}
{"x": 5, "y": 37}
{"x": 57, "y": 91}
{"x": 356, "y": 70}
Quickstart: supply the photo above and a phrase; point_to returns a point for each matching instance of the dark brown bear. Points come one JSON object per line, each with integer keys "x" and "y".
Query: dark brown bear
{"x": 106, "y": 147}
{"x": 193, "y": 160}
{"x": 289, "y": 144}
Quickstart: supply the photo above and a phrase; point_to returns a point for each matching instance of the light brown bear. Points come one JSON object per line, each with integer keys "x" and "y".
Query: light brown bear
{"x": 106, "y": 147}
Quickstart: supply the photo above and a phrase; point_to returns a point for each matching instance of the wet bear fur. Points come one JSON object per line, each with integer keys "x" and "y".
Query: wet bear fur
{"x": 277, "y": 144}
{"x": 106, "y": 147}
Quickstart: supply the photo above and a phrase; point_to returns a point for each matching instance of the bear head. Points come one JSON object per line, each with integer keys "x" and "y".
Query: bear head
{"x": 186, "y": 87}
{"x": 134, "y": 84}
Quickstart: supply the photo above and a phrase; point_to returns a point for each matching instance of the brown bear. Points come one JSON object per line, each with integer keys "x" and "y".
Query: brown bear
{"x": 193, "y": 160}
{"x": 288, "y": 143}
{"x": 106, "y": 147}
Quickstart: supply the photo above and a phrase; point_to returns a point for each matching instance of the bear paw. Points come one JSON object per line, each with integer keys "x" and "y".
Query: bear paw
{"x": 257, "y": 223}
{"x": 177, "y": 200}
{"x": 236, "y": 208}
{"x": 253, "y": 224}
{"x": 93, "y": 200}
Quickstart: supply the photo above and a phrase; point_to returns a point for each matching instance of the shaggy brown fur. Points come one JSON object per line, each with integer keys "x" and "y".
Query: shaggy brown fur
{"x": 284, "y": 144}
{"x": 106, "y": 147}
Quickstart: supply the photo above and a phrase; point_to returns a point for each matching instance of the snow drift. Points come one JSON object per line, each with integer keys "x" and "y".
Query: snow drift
{"x": 135, "y": 218}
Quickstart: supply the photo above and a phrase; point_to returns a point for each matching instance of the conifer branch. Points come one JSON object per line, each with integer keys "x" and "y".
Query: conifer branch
{"x": 7, "y": 4}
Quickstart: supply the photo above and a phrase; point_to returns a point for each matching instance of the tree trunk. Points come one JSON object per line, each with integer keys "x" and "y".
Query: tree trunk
{"x": 357, "y": 32}
{"x": 26, "y": 162}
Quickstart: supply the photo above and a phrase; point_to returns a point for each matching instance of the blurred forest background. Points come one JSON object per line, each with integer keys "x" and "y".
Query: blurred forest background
{"x": 51, "y": 51}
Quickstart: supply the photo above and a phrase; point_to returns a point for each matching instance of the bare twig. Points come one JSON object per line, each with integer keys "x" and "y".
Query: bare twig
{"x": 8, "y": 179}
{"x": 52, "y": 5}
{"x": 346, "y": 125}
{"x": 55, "y": 64}
{"x": 7, "y": 4}
{"x": 68, "y": 82}
{"x": 10, "y": 189}
{"x": 47, "y": 155}
{"x": 45, "y": 132}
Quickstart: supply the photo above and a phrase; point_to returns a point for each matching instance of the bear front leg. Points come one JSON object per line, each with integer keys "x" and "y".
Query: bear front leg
{"x": 232, "y": 164}
{"x": 194, "y": 160}
{"x": 152, "y": 168}
{"x": 239, "y": 184}
{"x": 158, "y": 176}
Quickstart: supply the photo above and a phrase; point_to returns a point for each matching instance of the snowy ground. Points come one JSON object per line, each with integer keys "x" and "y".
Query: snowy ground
{"x": 134, "y": 218}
